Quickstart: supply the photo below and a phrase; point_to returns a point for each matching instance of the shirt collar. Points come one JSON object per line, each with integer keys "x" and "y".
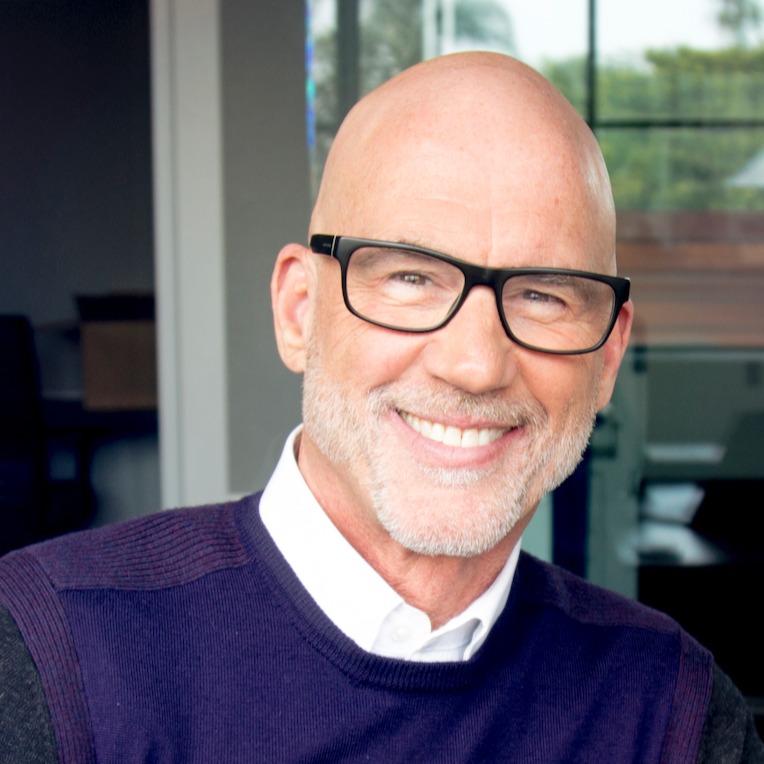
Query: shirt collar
{"x": 349, "y": 591}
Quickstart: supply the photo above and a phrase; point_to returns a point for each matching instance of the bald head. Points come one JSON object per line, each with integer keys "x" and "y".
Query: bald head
{"x": 477, "y": 157}
{"x": 479, "y": 138}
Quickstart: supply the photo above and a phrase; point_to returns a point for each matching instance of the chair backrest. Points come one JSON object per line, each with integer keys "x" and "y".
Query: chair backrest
{"x": 22, "y": 436}
{"x": 19, "y": 378}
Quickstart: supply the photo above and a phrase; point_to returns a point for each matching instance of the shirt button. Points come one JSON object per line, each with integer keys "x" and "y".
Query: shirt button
{"x": 401, "y": 632}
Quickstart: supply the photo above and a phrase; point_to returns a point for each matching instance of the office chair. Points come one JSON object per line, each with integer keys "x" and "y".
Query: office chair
{"x": 22, "y": 436}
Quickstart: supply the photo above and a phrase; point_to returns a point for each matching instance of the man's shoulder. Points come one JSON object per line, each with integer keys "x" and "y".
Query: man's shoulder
{"x": 584, "y": 602}
{"x": 161, "y": 549}
{"x": 643, "y": 652}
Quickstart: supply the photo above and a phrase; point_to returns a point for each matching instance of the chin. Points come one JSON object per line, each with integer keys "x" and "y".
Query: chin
{"x": 451, "y": 523}
{"x": 467, "y": 512}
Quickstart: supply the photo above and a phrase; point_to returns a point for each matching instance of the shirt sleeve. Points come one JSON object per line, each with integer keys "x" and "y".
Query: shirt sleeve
{"x": 729, "y": 733}
{"x": 26, "y": 731}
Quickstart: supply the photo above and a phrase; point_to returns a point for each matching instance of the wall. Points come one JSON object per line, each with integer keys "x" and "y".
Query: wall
{"x": 75, "y": 201}
{"x": 75, "y": 188}
{"x": 267, "y": 204}
{"x": 230, "y": 188}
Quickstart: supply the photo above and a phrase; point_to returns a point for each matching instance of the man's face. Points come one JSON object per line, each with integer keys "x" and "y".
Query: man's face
{"x": 448, "y": 440}
{"x": 447, "y": 471}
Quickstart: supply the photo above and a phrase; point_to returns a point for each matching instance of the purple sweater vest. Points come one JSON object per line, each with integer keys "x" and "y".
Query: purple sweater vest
{"x": 186, "y": 637}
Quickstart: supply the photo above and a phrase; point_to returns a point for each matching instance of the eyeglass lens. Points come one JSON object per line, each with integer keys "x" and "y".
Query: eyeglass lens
{"x": 413, "y": 291}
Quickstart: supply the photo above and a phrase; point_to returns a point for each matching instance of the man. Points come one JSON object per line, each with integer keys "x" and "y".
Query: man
{"x": 458, "y": 322}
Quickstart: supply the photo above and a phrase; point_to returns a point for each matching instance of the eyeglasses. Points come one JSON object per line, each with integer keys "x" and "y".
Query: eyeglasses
{"x": 411, "y": 289}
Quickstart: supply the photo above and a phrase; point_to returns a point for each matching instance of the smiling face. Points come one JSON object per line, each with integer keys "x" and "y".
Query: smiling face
{"x": 446, "y": 441}
{"x": 446, "y": 471}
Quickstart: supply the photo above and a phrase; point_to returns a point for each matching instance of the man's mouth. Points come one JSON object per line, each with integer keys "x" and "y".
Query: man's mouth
{"x": 452, "y": 436}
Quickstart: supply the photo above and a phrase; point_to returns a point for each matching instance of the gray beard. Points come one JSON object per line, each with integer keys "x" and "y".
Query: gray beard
{"x": 348, "y": 436}
{"x": 495, "y": 506}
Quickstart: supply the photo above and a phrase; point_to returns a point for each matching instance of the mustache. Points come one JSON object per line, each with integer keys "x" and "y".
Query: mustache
{"x": 448, "y": 402}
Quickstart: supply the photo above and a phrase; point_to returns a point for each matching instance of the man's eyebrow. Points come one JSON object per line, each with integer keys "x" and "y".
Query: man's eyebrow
{"x": 414, "y": 241}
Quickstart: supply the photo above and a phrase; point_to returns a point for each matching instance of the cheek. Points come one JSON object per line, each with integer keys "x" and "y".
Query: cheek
{"x": 361, "y": 357}
{"x": 564, "y": 385}
{"x": 356, "y": 354}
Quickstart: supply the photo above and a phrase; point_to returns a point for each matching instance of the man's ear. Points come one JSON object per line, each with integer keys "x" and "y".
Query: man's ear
{"x": 613, "y": 352}
{"x": 291, "y": 293}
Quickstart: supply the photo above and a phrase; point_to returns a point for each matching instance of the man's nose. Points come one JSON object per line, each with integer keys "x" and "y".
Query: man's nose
{"x": 472, "y": 352}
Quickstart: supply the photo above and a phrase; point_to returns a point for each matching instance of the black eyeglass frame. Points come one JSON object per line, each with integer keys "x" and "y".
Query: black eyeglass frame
{"x": 341, "y": 248}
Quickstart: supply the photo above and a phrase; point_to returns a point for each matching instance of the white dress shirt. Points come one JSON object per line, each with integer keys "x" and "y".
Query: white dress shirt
{"x": 352, "y": 594}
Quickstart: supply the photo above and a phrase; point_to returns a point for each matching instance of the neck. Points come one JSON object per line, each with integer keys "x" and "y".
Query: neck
{"x": 441, "y": 586}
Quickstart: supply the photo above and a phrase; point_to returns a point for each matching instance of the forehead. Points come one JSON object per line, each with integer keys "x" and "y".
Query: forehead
{"x": 485, "y": 162}
{"x": 531, "y": 211}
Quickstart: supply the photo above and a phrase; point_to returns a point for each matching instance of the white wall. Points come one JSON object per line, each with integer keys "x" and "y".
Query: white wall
{"x": 267, "y": 204}
{"x": 231, "y": 187}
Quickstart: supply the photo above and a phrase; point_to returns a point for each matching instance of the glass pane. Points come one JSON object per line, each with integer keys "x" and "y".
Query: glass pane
{"x": 685, "y": 168}
{"x": 553, "y": 37}
{"x": 355, "y": 45}
{"x": 677, "y": 103}
{"x": 321, "y": 85}
{"x": 390, "y": 39}
{"x": 679, "y": 60}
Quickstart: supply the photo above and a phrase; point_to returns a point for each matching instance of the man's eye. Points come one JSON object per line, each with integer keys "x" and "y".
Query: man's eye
{"x": 536, "y": 304}
{"x": 411, "y": 278}
{"x": 532, "y": 295}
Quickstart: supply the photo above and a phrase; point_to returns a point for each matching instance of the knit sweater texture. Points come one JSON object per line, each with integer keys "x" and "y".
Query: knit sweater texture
{"x": 185, "y": 636}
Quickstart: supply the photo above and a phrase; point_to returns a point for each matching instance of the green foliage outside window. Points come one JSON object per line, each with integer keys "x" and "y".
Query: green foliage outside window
{"x": 656, "y": 163}
{"x": 681, "y": 129}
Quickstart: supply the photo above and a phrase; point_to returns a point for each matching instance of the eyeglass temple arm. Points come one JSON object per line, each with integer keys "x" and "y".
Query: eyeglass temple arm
{"x": 323, "y": 244}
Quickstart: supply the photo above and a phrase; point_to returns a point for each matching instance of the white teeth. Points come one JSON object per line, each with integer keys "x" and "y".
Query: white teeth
{"x": 471, "y": 438}
{"x": 485, "y": 437}
{"x": 450, "y": 435}
{"x": 453, "y": 436}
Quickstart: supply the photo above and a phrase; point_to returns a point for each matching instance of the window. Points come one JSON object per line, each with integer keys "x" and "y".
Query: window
{"x": 675, "y": 94}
